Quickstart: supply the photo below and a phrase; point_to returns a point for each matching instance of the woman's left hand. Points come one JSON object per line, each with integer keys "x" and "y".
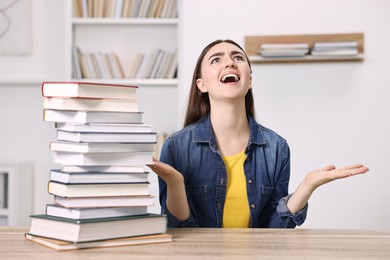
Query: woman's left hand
{"x": 318, "y": 177}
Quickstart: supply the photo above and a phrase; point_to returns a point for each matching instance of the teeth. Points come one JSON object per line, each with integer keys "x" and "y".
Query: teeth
{"x": 226, "y": 77}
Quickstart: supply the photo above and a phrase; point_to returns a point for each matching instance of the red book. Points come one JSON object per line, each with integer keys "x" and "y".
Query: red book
{"x": 88, "y": 90}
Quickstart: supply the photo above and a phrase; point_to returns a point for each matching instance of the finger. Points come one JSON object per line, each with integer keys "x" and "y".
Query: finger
{"x": 329, "y": 168}
{"x": 354, "y": 166}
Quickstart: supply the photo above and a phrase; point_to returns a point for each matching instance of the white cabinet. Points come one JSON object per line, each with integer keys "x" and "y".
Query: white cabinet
{"x": 126, "y": 37}
{"x": 16, "y": 193}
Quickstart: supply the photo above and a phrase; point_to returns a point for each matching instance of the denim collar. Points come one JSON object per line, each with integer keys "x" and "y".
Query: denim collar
{"x": 204, "y": 132}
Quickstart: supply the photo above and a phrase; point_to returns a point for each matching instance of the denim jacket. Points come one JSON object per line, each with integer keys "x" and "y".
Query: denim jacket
{"x": 193, "y": 152}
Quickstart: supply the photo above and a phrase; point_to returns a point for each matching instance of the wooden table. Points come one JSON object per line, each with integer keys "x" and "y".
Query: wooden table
{"x": 221, "y": 244}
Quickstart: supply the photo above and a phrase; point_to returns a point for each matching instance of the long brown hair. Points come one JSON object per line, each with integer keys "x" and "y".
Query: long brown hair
{"x": 199, "y": 103}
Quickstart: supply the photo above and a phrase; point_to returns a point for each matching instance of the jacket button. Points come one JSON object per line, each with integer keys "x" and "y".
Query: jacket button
{"x": 253, "y": 206}
{"x": 250, "y": 181}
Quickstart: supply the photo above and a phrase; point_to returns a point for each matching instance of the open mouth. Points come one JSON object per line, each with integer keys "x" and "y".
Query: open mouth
{"x": 230, "y": 78}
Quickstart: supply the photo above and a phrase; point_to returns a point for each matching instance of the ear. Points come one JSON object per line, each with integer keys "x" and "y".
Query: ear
{"x": 201, "y": 86}
{"x": 250, "y": 81}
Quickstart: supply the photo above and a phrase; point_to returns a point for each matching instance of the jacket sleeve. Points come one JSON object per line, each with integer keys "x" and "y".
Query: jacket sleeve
{"x": 167, "y": 155}
{"x": 277, "y": 210}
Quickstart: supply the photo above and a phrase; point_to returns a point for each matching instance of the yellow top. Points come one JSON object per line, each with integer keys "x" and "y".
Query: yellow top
{"x": 236, "y": 212}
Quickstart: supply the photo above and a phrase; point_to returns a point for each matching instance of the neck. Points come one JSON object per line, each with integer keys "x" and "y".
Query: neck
{"x": 231, "y": 128}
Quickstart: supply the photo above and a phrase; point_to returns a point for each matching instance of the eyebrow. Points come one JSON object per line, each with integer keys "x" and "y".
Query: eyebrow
{"x": 218, "y": 54}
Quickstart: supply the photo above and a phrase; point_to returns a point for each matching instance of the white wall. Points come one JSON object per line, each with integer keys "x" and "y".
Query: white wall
{"x": 330, "y": 113}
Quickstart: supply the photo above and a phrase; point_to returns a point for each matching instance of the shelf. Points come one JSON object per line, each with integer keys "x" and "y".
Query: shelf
{"x": 134, "y": 82}
{"x": 252, "y": 44}
{"x": 124, "y": 21}
{"x": 308, "y": 58}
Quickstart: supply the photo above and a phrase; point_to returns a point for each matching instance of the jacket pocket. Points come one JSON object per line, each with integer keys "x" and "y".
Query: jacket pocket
{"x": 266, "y": 192}
{"x": 197, "y": 199}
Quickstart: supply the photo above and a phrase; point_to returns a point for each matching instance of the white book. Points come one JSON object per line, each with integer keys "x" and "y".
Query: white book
{"x": 103, "y": 65}
{"x": 283, "y": 53}
{"x": 283, "y": 46}
{"x": 91, "y": 159}
{"x": 165, "y": 65}
{"x": 97, "y": 177}
{"x": 104, "y": 168}
{"x": 118, "y": 8}
{"x": 342, "y": 52}
{"x": 144, "y": 9}
{"x": 157, "y": 65}
{"x": 106, "y": 137}
{"x": 150, "y": 62}
{"x": 99, "y": 189}
{"x": 111, "y": 128}
{"x": 88, "y": 104}
{"x": 79, "y": 147}
{"x": 135, "y": 65}
{"x": 136, "y": 8}
{"x": 90, "y": 213}
{"x": 83, "y": 117}
{"x": 88, "y": 90}
{"x": 172, "y": 66}
{"x": 335, "y": 45}
{"x": 93, "y": 202}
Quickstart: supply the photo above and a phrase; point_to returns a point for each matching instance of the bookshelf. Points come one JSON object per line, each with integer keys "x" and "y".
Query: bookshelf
{"x": 252, "y": 44}
{"x": 125, "y": 33}
{"x": 16, "y": 193}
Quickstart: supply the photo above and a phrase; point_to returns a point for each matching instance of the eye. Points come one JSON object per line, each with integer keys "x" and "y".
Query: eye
{"x": 239, "y": 57}
{"x": 215, "y": 60}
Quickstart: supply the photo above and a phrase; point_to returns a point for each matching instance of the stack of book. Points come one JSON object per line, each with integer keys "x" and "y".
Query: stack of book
{"x": 335, "y": 49}
{"x": 157, "y": 64}
{"x": 278, "y": 50}
{"x": 101, "y": 192}
{"x": 125, "y": 9}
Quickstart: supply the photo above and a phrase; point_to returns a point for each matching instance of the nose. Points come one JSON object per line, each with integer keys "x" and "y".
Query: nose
{"x": 230, "y": 62}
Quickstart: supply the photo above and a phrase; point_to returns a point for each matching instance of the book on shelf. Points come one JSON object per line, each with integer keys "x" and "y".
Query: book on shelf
{"x": 76, "y": 63}
{"x": 111, "y": 128}
{"x": 96, "y": 229}
{"x": 147, "y": 67}
{"x": 71, "y": 190}
{"x": 57, "y": 175}
{"x": 88, "y": 104}
{"x": 60, "y": 245}
{"x": 105, "y": 201}
{"x": 157, "y": 64}
{"x": 125, "y": 9}
{"x": 135, "y": 66}
{"x": 336, "y": 49}
{"x": 104, "y": 168}
{"x": 84, "y": 117}
{"x": 270, "y": 50}
{"x": 336, "y": 53}
{"x": 172, "y": 69}
{"x": 144, "y": 8}
{"x": 95, "y": 147}
{"x": 284, "y": 53}
{"x": 335, "y": 45}
{"x": 89, "y": 213}
{"x": 3, "y": 190}
{"x": 88, "y": 90}
{"x": 94, "y": 159}
{"x": 284, "y": 46}
{"x": 106, "y": 137}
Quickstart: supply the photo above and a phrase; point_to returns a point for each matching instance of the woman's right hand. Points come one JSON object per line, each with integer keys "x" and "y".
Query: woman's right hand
{"x": 169, "y": 174}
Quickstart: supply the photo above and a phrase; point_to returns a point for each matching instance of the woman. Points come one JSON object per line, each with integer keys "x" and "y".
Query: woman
{"x": 223, "y": 169}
